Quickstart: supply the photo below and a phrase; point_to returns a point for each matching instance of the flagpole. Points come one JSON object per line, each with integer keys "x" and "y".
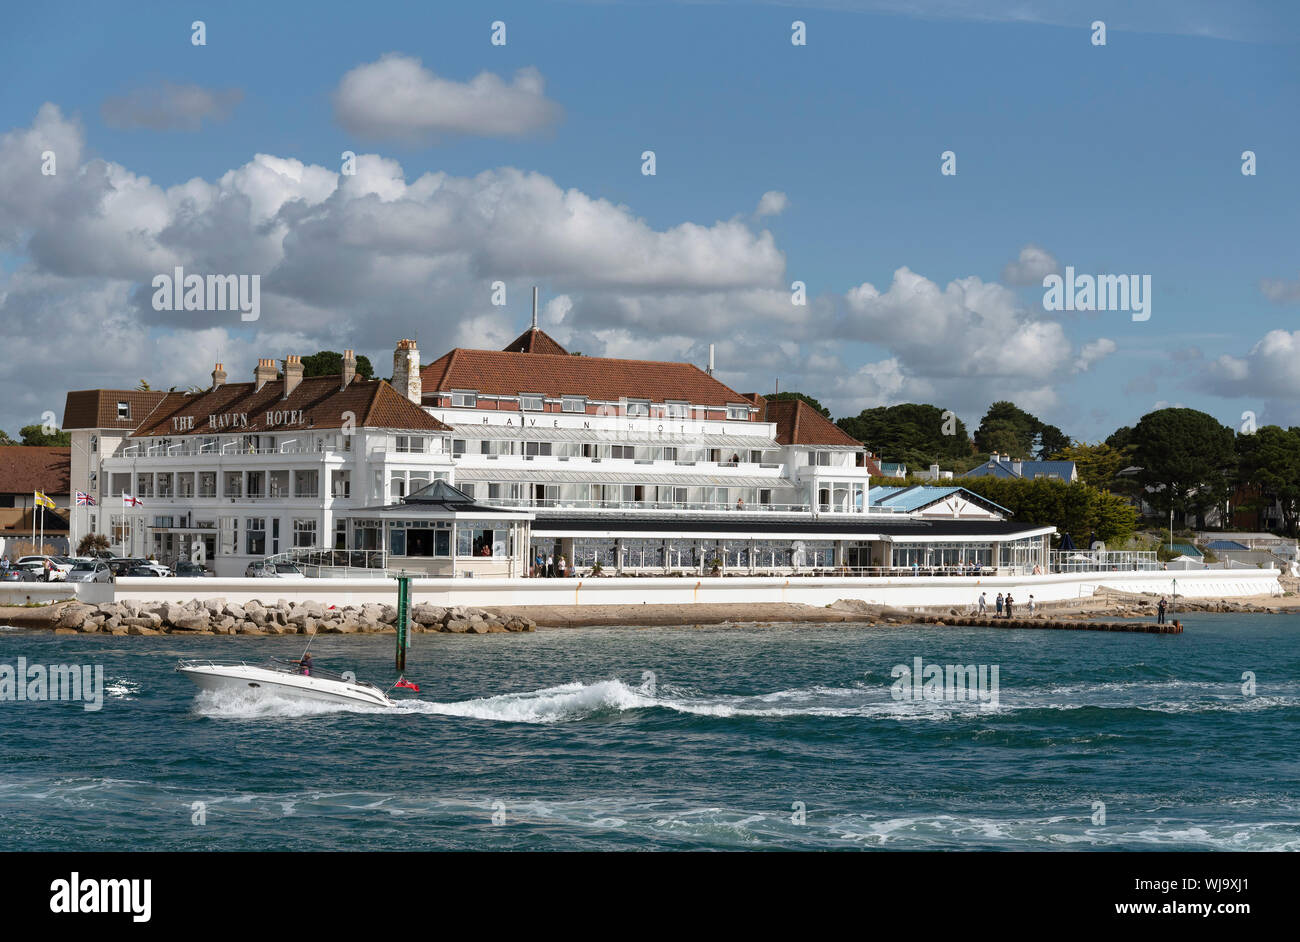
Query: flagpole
{"x": 34, "y": 550}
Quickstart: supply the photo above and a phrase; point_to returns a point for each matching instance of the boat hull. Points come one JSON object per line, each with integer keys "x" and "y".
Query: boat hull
{"x": 246, "y": 679}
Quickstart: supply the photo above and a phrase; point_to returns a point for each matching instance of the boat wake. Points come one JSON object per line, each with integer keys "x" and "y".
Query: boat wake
{"x": 577, "y": 701}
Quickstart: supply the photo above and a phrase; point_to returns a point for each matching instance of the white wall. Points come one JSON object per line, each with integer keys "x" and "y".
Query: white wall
{"x": 902, "y": 591}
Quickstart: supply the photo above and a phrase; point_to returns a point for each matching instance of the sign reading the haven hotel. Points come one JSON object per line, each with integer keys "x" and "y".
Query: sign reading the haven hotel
{"x": 274, "y": 417}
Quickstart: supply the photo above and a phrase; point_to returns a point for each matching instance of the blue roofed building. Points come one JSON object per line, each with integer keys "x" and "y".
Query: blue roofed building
{"x": 923, "y": 500}
{"x": 1004, "y": 466}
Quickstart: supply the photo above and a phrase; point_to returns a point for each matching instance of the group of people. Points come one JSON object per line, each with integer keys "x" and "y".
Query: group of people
{"x": 1004, "y": 604}
{"x": 550, "y": 567}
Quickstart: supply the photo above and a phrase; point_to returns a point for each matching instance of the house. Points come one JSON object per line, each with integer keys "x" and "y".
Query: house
{"x": 1004, "y": 466}
{"x": 24, "y": 470}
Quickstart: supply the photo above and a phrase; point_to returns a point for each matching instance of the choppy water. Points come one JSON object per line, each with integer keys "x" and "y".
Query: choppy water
{"x": 565, "y": 738}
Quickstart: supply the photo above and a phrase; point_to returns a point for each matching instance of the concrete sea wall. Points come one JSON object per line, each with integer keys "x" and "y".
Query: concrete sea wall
{"x": 904, "y": 591}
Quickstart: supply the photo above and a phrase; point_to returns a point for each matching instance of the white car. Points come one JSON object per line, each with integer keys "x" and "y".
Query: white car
{"x": 57, "y": 571}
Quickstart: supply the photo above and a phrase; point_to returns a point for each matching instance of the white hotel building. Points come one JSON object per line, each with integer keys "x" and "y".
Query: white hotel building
{"x": 629, "y": 465}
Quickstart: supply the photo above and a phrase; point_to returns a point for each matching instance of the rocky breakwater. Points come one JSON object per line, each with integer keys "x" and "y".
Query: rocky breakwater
{"x": 282, "y": 617}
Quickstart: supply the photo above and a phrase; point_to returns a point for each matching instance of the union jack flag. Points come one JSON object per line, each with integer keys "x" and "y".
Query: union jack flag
{"x": 85, "y": 500}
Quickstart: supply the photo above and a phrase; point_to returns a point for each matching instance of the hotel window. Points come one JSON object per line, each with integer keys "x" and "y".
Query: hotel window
{"x": 397, "y": 484}
{"x": 531, "y": 403}
{"x": 207, "y": 484}
{"x": 275, "y": 535}
{"x": 94, "y": 443}
{"x": 463, "y": 398}
{"x": 306, "y": 483}
{"x": 457, "y": 447}
{"x": 304, "y": 533}
{"x": 410, "y": 444}
{"x": 341, "y": 535}
{"x": 740, "y": 413}
{"x": 256, "y": 536}
{"x": 341, "y": 483}
{"x": 124, "y": 410}
{"x": 574, "y": 403}
{"x": 234, "y": 484}
{"x": 638, "y": 407}
{"x": 622, "y": 451}
{"x": 677, "y": 410}
{"x": 229, "y": 535}
{"x": 670, "y": 454}
{"x": 819, "y": 458}
{"x": 537, "y": 448}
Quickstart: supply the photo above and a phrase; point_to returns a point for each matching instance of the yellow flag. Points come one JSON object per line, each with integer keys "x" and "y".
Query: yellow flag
{"x": 43, "y": 501}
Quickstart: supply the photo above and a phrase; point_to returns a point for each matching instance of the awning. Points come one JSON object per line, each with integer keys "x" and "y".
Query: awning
{"x": 587, "y": 476}
{"x": 614, "y": 436}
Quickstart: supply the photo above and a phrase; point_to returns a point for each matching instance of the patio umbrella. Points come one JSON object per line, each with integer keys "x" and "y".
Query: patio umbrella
{"x": 1067, "y": 544}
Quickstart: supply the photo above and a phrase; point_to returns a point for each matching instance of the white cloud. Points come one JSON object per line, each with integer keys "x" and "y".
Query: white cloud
{"x": 169, "y": 107}
{"x": 1270, "y": 370}
{"x": 397, "y": 97}
{"x": 1279, "y": 291}
{"x": 771, "y": 203}
{"x": 1094, "y": 351}
{"x": 1031, "y": 267}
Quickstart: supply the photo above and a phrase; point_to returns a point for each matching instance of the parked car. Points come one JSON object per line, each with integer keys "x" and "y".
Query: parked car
{"x": 186, "y": 569}
{"x": 266, "y": 570}
{"x": 18, "y": 574}
{"x": 90, "y": 570}
{"x": 122, "y": 567}
{"x": 144, "y": 572}
{"x": 56, "y": 571}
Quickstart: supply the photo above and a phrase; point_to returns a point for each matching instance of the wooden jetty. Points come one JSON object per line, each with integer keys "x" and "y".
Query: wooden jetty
{"x": 986, "y": 621}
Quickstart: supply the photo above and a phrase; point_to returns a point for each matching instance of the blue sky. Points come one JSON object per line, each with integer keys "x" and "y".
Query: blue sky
{"x": 1116, "y": 159}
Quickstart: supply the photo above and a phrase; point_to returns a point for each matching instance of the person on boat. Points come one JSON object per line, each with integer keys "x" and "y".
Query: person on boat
{"x": 304, "y": 665}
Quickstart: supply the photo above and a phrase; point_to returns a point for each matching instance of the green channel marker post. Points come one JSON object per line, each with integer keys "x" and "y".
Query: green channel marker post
{"x": 403, "y": 619}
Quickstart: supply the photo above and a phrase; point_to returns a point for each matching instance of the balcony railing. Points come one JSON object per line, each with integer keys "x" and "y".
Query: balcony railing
{"x": 706, "y": 506}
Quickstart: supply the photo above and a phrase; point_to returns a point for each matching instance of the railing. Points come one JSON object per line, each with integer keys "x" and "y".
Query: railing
{"x": 214, "y": 449}
{"x": 1101, "y": 561}
{"x": 710, "y": 506}
{"x": 321, "y": 563}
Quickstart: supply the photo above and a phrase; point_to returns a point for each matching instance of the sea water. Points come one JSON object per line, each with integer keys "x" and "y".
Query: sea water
{"x": 747, "y": 737}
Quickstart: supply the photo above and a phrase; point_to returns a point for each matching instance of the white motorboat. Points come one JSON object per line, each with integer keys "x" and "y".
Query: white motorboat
{"x": 283, "y": 678}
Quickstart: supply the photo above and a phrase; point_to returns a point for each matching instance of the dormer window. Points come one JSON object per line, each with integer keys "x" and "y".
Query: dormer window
{"x": 464, "y": 398}
{"x": 124, "y": 410}
{"x": 531, "y": 403}
{"x": 574, "y": 403}
{"x": 737, "y": 413}
{"x": 638, "y": 407}
{"x": 677, "y": 410}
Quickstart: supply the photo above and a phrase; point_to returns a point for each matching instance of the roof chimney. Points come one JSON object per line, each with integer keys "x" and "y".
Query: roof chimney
{"x": 406, "y": 370}
{"x": 534, "y": 307}
{"x": 710, "y": 371}
{"x": 219, "y": 376}
{"x": 292, "y": 374}
{"x": 349, "y": 368}
{"x": 264, "y": 373}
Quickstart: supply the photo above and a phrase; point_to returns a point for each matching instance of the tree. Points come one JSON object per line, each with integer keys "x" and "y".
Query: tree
{"x": 36, "y": 435}
{"x": 806, "y": 398}
{"x": 330, "y": 363}
{"x": 1072, "y": 507}
{"x": 5, "y": 439}
{"x": 143, "y": 385}
{"x": 910, "y": 432}
{"x": 92, "y": 543}
{"x": 1097, "y": 464}
{"x": 1187, "y": 460}
{"x": 1011, "y": 430}
{"x": 1269, "y": 462}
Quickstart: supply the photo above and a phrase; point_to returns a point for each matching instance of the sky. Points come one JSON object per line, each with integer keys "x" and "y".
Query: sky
{"x": 775, "y": 164}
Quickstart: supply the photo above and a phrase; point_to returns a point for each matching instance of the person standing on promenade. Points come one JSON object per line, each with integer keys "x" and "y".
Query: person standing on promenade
{"x": 984, "y": 602}
{"x": 1160, "y": 611}
{"x": 550, "y": 566}
{"x": 562, "y": 567}
{"x": 999, "y": 604}
{"x": 1031, "y": 605}
{"x": 1008, "y": 615}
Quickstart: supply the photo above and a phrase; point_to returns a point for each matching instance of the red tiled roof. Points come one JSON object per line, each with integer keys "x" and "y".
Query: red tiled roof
{"x": 798, "y": 423}
{"x": 97, "y": 408}
{"x": 25, "y": 468}
{"x": 320, "y": 400}
{"x": 499, "y": 373}
{"x": 534, "y": 340}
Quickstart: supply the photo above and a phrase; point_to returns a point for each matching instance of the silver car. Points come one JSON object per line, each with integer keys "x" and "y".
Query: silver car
{"x": 91, "y": 570}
